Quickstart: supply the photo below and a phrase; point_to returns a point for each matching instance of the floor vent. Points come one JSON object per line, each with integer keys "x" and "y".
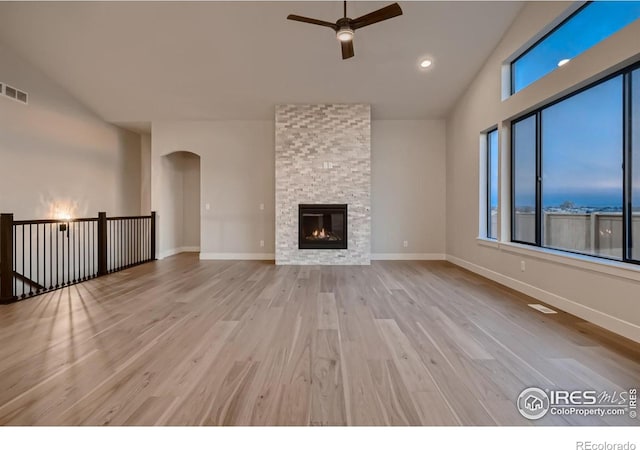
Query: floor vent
{"x": 542, "y": 308}
{"x": 14, "y": 93}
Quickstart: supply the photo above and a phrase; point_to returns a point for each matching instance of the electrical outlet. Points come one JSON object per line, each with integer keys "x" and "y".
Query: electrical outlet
{"x": 523, "y": 266}
{"x": 405, "y": 244}
{"x": 261, "y": 243}
{"x": 261, "y": 206}
{"x": 207, "y": 206}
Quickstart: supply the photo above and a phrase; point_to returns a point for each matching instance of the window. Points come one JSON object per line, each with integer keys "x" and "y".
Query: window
{"x": 634, "y": 214}
{"x": 582, "y": 172}
{"x": 524, "y": 176}
{"x": 492, "y": 184}
{"x": 588, "y": 26}
{"x": 572, "y": 162}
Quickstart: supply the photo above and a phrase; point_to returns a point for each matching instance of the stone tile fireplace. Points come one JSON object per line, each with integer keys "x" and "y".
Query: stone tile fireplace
{"x": 323, "y": 157}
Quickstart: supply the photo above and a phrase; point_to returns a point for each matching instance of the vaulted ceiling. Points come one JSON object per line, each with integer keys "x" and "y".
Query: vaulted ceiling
{"x": 145, "y": 61}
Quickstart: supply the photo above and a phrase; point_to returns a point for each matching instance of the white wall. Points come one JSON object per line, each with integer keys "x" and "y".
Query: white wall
{"x": 407, "y": 188}
{"x": 191, "y": 201}
{"x": 237, "y": 166}
{"x": 56, "y": 151}
{"x": 145, "y": 173}
{"x": 171, "y": 220}
{"x": 577, "y": 285}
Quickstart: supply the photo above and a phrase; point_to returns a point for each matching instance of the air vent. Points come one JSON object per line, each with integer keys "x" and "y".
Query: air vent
{"x": 543, "y": 309}
{"x": 10, "y": 92}
{"x": 14, "y": 93}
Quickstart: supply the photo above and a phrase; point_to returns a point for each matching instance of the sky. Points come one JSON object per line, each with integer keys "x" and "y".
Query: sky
{"x": 582, "y": 143}
{"x": 591, "y": 25}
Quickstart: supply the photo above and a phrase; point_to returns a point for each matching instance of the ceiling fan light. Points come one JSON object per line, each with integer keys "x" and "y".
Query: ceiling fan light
{"x": 345, "y": 34}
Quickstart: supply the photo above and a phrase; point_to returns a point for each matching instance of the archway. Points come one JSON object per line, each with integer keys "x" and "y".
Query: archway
{"x": 180, "y": 218}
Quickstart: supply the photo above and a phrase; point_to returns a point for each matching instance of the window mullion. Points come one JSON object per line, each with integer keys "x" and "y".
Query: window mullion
{"x": 627, "y": 208}
{"x": 539, "y": 179}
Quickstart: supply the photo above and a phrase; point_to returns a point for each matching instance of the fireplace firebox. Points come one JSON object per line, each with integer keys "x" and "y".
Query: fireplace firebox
{"x": 322, "y": 226}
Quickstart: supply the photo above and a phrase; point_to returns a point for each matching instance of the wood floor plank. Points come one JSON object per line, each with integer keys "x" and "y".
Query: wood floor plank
{"x": 327, "y": 390}
{"x": 327, "y": 312}
{"x": 397, "y": 402}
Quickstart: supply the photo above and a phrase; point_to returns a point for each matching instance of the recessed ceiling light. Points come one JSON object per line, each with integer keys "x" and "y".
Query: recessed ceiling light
{"x": 562, "y": 62}
{"x": 425, "y": 63}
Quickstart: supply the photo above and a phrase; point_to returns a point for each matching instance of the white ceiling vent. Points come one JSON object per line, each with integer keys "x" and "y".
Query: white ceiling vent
{"x": 14, "y": 93}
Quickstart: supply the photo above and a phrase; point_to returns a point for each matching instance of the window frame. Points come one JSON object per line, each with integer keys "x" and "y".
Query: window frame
{"x": 488, "y": 160}
{"x": 512, "y": 177}
{"x": 570, "y": 13}
{"x": 512, "y": 63}
{"x": 626, "y": 178}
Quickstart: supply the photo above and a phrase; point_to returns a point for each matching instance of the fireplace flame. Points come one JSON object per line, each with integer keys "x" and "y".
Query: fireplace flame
{"x": 321, "y": 234}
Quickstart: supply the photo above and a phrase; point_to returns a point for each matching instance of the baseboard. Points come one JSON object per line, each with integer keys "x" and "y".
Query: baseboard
{"x": 408, "y": 256}
{"x": 175, "y": 251}
{"x": 239, "y": 256}
{"x": 613, "y": 324}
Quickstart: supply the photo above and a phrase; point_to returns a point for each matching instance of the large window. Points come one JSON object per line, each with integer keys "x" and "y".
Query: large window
{"x": 588, "y": 26}
{"x": 492, "y": 184}
{"x": 582, "y": 175}
{"x": 572, "y": 163}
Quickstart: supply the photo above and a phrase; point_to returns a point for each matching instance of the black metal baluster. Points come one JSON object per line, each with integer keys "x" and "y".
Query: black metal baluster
{"x": 92, "y": 251}
{"x": 112, "y": 246}
{"x": 76, "y": 253}
{"x": 57, "y": 259}
{"x": 30, "y": 259}
{"x": 50, "y": 256}
{"x": 86, "y": 255}
{"x": 137, "y": 248}
{"x": 15, "y": 259}
{"x": 66, "y": 281}
{"x": 144, "y": 238}
{"x": 37, "y": 280}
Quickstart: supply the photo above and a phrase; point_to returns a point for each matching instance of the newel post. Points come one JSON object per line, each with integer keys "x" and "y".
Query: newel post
{"x": 153, "y": 235}
{"x": 6, "y": 258}
{"x": 102, "y": 243}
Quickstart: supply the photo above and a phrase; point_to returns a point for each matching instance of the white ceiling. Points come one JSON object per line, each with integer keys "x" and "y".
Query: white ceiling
{"x": 137, "y": 62}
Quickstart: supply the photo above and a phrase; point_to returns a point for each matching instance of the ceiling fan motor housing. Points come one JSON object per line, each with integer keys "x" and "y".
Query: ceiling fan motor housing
{"x": 345, "y": 27}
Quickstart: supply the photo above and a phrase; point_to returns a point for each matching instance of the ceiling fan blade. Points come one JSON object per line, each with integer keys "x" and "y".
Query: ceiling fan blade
{"x": 312, "y": 21}
{"x": 385, "y": 13}
{"x": 347, "y": 49}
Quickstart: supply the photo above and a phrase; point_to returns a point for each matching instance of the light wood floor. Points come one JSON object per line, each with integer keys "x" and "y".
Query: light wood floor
{"x": 183, "y": 341}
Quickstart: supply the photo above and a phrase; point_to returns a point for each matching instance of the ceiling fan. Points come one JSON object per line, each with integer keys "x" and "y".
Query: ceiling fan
{"x": 345, "y": 27}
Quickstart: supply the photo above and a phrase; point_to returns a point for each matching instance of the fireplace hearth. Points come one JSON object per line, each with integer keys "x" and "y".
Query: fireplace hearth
{"x": 322, "y": 226}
